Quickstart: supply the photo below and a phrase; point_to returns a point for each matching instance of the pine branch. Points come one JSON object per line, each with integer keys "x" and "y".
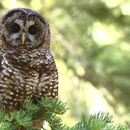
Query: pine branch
{"x": 99, "y": 121}
{"x": 51, "y": 110}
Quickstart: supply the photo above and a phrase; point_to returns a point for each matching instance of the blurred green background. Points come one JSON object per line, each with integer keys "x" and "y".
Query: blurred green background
{"x": 91, "y": 45}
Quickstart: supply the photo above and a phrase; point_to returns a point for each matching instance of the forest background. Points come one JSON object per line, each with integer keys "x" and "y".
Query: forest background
{"x": 91, "y": 45}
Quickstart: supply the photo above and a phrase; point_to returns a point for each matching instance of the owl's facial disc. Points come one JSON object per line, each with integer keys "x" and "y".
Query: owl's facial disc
{"x": 23, "y": 31}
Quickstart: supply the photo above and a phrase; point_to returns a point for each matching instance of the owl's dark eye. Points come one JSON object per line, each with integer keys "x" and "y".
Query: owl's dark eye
{"x": 15, "y": 28}
{"x": 32, "y": 30}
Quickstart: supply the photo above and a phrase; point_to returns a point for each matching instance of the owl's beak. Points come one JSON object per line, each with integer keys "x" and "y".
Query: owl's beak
{"x": 23, "y": 38}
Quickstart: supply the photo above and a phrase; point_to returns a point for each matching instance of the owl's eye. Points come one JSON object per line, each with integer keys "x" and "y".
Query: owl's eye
{"x": 32, "y": 30}
{"x": 15, "y": 28}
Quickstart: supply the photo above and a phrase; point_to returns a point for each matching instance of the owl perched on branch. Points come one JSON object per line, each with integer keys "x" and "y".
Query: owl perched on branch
{"x": 27, "y": 67}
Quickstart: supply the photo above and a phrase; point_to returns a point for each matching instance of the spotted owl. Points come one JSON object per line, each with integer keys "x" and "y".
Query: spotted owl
{"x": 27, "y": 67}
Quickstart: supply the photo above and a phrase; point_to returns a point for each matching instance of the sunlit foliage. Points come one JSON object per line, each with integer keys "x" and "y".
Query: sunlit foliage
{"x": 90, "y": 41}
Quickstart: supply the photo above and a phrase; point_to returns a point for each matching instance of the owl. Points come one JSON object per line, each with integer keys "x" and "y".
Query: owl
{"x": 27, "y": 67}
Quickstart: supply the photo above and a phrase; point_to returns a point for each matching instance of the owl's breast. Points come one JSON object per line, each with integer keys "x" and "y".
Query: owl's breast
{"x": 31, "y": 81}
{"x": 26, "y": 82}
{"x": 16, "y": 85}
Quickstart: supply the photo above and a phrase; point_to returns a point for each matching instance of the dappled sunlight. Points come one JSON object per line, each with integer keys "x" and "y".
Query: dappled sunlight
{"x": 105, "y": 34}
{"x": 90, "y": 41}
{"x": 113, "y": 3}
{"x": 125, "y": 8}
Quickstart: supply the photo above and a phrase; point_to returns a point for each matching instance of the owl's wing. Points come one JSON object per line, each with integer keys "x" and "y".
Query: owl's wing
{"x": 1, "y": 58}
{"x": 48, "y": 82}
{"x": 48, "y": 86}
{"x": 1, "y": 90}
{"x": 1, "y": 53}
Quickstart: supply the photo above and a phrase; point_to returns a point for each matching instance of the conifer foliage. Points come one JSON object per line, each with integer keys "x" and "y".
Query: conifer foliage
{"x": 50, "y": 110}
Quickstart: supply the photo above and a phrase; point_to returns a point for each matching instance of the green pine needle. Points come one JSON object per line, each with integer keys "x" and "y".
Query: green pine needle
{"x": 51, "y": 110}
{"x": 99, "y": 121}
{"x": 55, "y": 106}
{"x": 30, "y": 107}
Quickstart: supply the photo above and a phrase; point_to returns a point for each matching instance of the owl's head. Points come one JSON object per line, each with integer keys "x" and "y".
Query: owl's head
{"x": 25, "y": 28}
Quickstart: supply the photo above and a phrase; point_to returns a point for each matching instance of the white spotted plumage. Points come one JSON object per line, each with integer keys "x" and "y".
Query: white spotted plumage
{"x": 29, "y": 70}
